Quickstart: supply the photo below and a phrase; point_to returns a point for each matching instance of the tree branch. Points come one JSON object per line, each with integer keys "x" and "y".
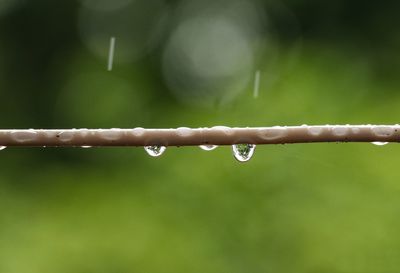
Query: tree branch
{"x": 218, "y": 135}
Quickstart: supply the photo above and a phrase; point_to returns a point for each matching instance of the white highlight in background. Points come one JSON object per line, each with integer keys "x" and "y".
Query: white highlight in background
{"x": 111, "y": 54}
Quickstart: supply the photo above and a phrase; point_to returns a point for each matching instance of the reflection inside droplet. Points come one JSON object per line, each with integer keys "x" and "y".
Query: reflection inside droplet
{"x": 155, "y": 150}
{"x": 243, "y": 152}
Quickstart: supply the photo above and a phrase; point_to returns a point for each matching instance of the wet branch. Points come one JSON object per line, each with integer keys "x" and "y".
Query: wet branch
{"x": 218, "y": 135}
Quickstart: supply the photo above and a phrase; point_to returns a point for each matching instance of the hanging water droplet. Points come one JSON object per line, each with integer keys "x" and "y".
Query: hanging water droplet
{"x": 243, "y": 152}
{"x": 208, "y": 147}
{"x": 155, "y": 150}
{"x": 85, "y": 146}
{"x": 379, "y": 143}
{"x": 2, "y": 147}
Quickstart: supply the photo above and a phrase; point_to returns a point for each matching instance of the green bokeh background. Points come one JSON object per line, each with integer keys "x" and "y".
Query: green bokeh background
{"x": 292, "y": 208}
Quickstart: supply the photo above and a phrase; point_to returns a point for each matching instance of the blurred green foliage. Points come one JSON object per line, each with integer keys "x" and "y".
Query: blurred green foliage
{"x": 292, "y": 208}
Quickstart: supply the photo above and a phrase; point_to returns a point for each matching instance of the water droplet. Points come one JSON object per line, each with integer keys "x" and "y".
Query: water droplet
{"x": 85, "y": 146}
{"x": 243, "y": 152}
{"x": 111, "y": 134}
{"x": 2, "y": 147}
{"x": 24, "y": 135}
{"x": 184, "y": 132}
{"x": 224, "y": 129}
{"x": 67, "y": 135}
{"x": 340, "y": 130}
{"x": 379, "y": 143}
{"x": 355, "y": 130}
{"x": 315, "y": 130}
{"x": 383, "y": 130}
{"x": 208, "y": 147}
{"x": 84, "y": 132}
{"x": 273, "y": 133}
{"x": 138, "y": 131}
{"x": 155, "y": 150}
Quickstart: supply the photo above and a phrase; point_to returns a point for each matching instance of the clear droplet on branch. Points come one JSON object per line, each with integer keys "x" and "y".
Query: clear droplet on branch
{"x": 208, "y": 147}
{"x": 243, "y": 152}
{"x": 379, "y": 143}
{"x": 155, "y": 150}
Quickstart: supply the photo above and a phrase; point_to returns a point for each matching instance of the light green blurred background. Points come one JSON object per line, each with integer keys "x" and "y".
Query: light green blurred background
{"x": 292, "y": 208}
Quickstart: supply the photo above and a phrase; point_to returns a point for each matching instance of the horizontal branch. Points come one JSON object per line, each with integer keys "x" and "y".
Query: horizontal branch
{"x": 218, "y": 135}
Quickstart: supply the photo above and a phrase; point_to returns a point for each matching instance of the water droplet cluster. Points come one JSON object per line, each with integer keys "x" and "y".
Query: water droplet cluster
{"x": 242, "y": 152}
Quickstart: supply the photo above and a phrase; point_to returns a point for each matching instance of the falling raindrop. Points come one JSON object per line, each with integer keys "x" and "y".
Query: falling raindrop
{"x": 243, "y": 152}
{"x": 155, "y": 150}
{"x": 208, "y": 147}
{"x": 2, "y": 147}
{"x": 111, "y": 54}
{"x": 379, "y": 143}
{"x": 256, "y": 84}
